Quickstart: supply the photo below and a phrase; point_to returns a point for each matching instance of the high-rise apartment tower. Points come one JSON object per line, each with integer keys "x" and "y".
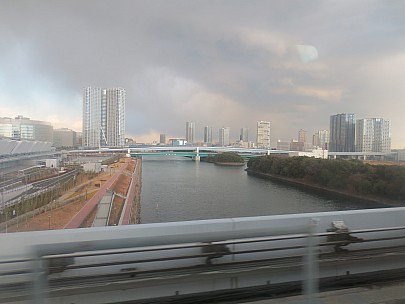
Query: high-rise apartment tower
{"x": 207, "y": 135}
{"x": 321, "y": 139}
{"x": 373, "y": 135}
{"x": 263, "y": 134}
{"x": 244, "y": 134}
{"x": 342, "y": 133}
{"x": 190, "y": 132}
{"x": 103, "y": 117}
{"x": 224, "y": 136}
{"x": 302, "y": 136}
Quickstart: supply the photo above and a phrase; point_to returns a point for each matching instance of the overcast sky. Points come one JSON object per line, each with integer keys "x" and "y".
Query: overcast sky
{"x": 218, "y": 63}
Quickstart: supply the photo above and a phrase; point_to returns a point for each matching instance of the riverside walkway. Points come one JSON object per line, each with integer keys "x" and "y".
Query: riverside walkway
{"x": 80, "y": 217}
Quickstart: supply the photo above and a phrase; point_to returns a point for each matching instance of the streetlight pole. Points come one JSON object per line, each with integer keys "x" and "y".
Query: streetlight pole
{"x": 3, "y": 205}
{"x": 16, "y": 215}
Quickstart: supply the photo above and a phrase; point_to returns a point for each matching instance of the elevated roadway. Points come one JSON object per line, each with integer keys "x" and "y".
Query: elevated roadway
{"x": 186, "y": 151}
{"x": 193, "y": 151}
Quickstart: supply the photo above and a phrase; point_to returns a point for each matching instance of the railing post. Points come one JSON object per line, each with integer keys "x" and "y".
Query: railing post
{"x": 40, "y": 282}
{"x": 310, "y": 282}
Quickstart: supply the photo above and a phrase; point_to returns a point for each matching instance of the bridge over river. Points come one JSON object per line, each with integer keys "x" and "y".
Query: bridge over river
{"x": 196, "y": 152}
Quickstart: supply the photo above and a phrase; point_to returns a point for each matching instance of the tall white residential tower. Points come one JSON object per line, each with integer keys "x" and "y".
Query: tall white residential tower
{"x": 263, "y": 134}
{"x": 373, "y": 135}
{"x": 224, "y": 136}
{"x": 103, "y": 117}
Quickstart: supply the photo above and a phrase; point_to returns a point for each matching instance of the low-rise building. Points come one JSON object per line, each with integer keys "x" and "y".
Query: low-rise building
{"x": 317, "y": 153}
{"x": 92, "y": 167}
{"x": 283, "y": 145}
{"x": 23, "y": 128}
{"x": 178, "y": 141}
{"x": 64, "y": 137}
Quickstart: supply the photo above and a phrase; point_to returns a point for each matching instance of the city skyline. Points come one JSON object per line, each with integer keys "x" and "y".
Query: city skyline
{"x": 369, "y": 134}
{"x": 294, "y": 64}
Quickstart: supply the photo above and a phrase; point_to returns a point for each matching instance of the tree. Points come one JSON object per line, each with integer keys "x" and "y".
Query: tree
{"x": 228, "y": 157}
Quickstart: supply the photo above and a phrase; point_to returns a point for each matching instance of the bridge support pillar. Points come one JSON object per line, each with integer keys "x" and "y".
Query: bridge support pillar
{"x": 197, "y": 156}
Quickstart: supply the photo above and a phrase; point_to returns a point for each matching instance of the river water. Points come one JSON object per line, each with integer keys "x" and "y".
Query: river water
{"x": 178, "y": 189}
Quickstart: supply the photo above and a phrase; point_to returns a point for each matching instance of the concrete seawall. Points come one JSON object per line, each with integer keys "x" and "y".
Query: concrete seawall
{"x": 132, "y": 207}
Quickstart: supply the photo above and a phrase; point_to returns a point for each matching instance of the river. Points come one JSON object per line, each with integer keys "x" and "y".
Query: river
{"x": 178, "y": 189}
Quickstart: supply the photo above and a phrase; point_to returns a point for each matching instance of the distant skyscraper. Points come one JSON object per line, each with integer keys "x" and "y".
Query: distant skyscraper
{"x": 207, "y": 135}
{"x": 263, "y": 134}
{"x": 302, "y": 136}
{"x": 190, "y": 132}
{"x": 162, "y": 139}
{"x": 373, "y": 135}
{"x": 103, "y": 117}
{"x": 244, "y": 134}
{"x": 342, "y": 133}
{"x": 224, "y": 136}
{"x": 321, "y": 139}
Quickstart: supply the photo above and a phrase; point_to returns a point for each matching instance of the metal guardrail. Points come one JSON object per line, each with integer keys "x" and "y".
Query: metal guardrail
{"x": 50, "y": 259}
{"x": 56, "y": 258}
{"x": 235, "y": 253}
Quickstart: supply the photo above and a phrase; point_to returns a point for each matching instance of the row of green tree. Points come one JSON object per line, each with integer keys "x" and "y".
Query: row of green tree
{"x": 226, "y": 157}
{"x": 352, "y": 176}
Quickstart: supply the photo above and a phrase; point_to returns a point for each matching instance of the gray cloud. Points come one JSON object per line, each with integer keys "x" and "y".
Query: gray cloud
{"x": 219, "y": 63}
